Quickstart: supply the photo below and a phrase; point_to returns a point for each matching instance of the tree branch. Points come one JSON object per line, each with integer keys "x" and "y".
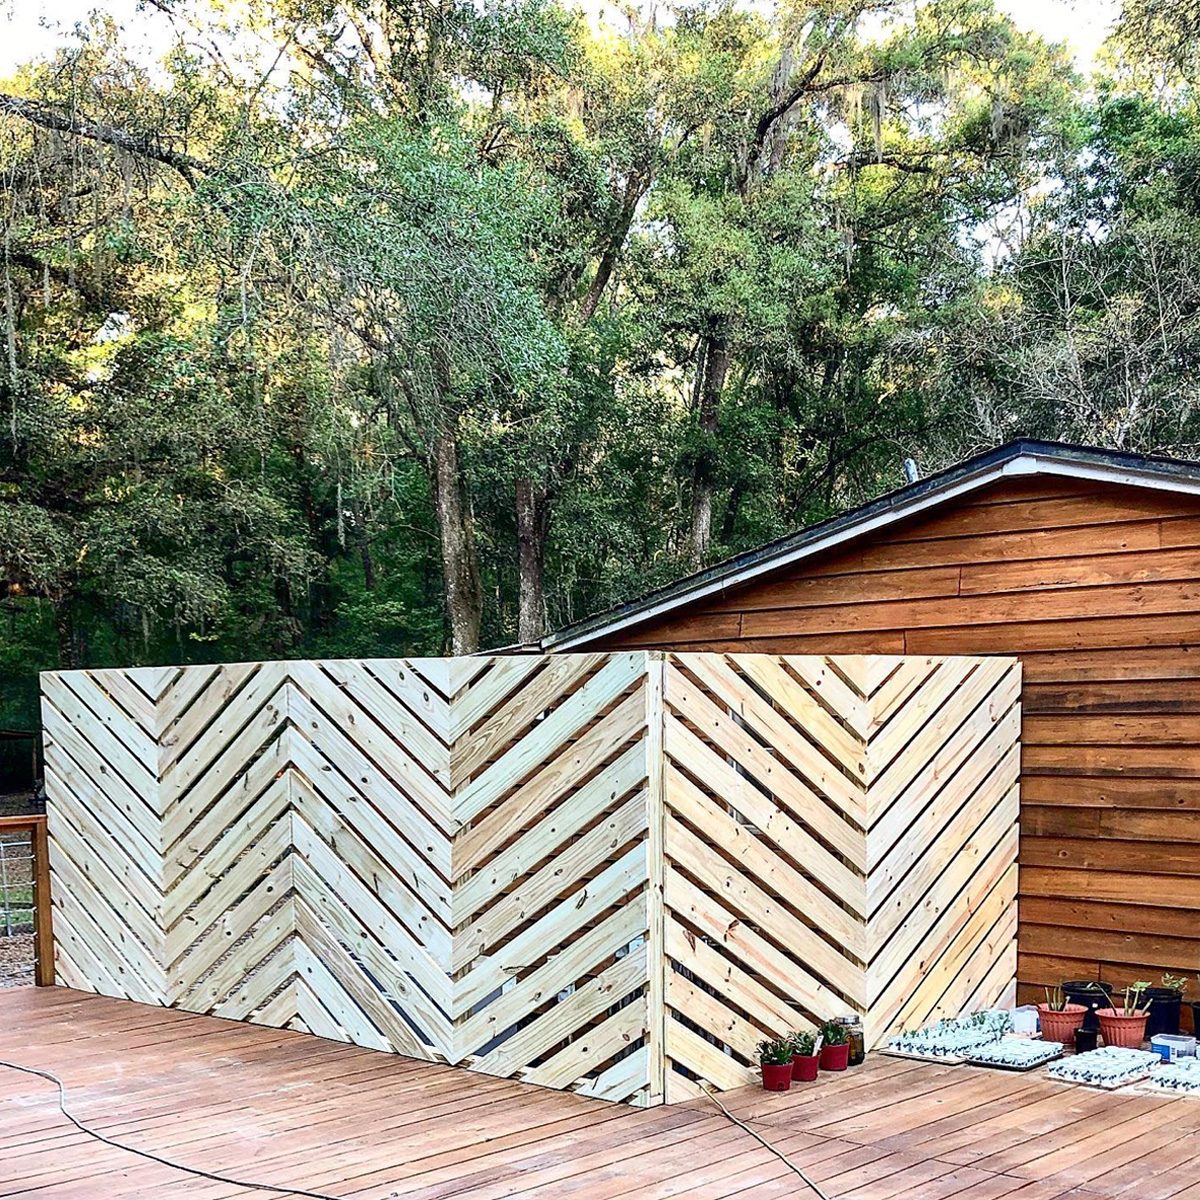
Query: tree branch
{"x": 47, "y": 117}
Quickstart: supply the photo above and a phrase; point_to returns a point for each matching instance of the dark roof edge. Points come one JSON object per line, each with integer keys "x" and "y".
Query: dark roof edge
{"x": 1022, "y": 457}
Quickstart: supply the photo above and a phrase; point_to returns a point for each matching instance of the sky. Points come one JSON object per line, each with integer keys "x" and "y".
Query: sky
{"x": 32, "y": 28}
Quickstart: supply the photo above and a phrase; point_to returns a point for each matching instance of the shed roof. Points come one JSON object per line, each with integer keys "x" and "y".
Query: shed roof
{"x": 1018, "y": 458}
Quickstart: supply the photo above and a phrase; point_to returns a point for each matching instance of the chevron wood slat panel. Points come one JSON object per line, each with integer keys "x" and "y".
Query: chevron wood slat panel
{"x": 613, "y": 873}
{"x": 438, "y": 858}
{"x": 840, "y": 837}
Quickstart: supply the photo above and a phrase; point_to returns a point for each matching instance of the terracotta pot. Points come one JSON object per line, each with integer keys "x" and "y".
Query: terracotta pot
{"x": 1120, "y": 1030}
{"x": 804, "y": 1067}
{"x": 835, "y": 1058}
{"x": 777, "y": 1077}
{"x": 1061, "y": 1026}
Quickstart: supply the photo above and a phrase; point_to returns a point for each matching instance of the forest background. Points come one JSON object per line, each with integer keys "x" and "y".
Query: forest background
{"x": 380, "y": 327}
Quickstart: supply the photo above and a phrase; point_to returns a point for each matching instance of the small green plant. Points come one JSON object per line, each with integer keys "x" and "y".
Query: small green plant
{"x": 775, "y": 1053}
{"x": 1175, "y": 983}
{"x": 804, "y": 1044}
{"x": 1056, "y": 999}
{"x": 1134, "y": 1002}
{"x": 833, "y": 1034}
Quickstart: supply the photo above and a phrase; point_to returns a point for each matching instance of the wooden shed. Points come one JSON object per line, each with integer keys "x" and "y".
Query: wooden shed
{"x": 1085, "y": 564}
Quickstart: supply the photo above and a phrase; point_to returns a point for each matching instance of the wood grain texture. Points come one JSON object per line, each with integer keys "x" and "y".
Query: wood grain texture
{"x": 286, "y": 1110}
{"x": 1096, "y": 590}
{"x": 440, "y": 859}
{"x": 609, "y": 873}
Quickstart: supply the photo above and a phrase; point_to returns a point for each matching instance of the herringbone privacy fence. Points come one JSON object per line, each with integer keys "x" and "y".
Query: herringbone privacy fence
{"x": 613, "y": 873}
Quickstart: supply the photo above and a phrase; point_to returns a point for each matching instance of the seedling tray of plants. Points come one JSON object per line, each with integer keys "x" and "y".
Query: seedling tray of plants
{"x": 1109, "y": 1067}
{"x": 1015, "y": 1054}
{"x": 952, "y": 1040}
{"x": 1181, "y": 1076}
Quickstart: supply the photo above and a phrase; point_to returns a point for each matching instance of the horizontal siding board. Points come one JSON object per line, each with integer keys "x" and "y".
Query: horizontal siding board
{"x": 1097, "y": 590}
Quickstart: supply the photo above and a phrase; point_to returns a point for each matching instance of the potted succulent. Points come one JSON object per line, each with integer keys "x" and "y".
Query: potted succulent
{"x": 775, "y": 1058}
{"x": 835, "y": 1047}
{"x": 1126, "y": 1026}
{"x": 1059, "y": 1018}
{"x": 1092, "y": 994}
{"x": 805, "y": 1057}
{"x": 1165, "y": 1004}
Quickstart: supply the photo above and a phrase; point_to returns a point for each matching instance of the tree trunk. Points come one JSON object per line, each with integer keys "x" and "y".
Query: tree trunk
{"x": 69, "y": 658}
{"x": 533, "y": 526}
{"x": 456, "y": 528}
{"x": 714, "y": 365}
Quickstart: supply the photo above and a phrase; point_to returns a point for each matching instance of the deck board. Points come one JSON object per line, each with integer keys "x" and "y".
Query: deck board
{"x": 289, "y": 1109}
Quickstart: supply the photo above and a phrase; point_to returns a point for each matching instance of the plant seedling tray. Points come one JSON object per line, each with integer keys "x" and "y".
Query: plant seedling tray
{"x": 1139, "y": 1063}
{"x": 950, "y": 1060}
{"x": 981, "y": 1059}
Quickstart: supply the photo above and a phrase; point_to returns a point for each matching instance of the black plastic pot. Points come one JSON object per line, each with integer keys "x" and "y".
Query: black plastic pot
{"x": 1196, "y": 1018}
{"x": 1165, "y": 1006}
{"x": 1085, "y": 1040}
{"x": 1092, "y": 994}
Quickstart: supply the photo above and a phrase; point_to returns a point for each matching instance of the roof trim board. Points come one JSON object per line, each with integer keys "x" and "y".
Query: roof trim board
{"x": 1020, "y": 458}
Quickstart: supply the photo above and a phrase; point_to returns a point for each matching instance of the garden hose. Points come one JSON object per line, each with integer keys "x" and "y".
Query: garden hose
{"x": 779, "y": 1154}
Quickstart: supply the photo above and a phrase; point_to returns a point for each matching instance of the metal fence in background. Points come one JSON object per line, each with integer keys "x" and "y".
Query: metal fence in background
{"x": 22, "y": 875}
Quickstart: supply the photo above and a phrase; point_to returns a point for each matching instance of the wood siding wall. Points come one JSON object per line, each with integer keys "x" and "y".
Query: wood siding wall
{"x": 1097, "y": 590}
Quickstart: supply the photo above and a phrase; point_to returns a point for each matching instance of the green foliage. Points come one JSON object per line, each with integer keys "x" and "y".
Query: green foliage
{"x": 290, "y": 322}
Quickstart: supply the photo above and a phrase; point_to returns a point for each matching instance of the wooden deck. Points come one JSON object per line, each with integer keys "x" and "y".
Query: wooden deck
{"x": 291, "y": 1109}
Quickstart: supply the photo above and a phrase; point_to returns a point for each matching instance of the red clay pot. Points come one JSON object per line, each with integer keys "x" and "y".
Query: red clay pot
{"x": 835, "y": 1058}
{"x": 777, "y": 1077}
{"x": 1061, "y": 1026}
{"x": 804, "y": 1067}
{"x": 1120, "y": 1030}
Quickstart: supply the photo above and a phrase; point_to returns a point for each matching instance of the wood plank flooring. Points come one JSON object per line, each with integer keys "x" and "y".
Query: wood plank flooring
{"x": 293, "y": 1110}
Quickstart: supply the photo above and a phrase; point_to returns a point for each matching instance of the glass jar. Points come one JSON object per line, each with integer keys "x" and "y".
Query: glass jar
{"x": 853, "y": 1026}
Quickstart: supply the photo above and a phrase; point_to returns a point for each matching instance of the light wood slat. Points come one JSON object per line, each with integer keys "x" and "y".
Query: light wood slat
{"x": 241, "y": 725}
{"x": 760, "y": 853}
{"x": 550, "y": 736}
{"x": 530, "y": 946}
{"x": 572, "y": 764}
{"x": 577, "y": 858}
{"x": 376, "y": 1008}
{"x": 513, "y": 720}
{"x": 342, "y": 890}
{"x": 107, "y": 747}
{"x": 621, "y": 1081}
{"x": 393, "y": 966}
{"x": 773, "y": 768}
{"x": 421, "y": 910}
{"x": 532, "y": 848}
{"x": 565, "y": 968}
{"x": 997, "y": 752}
{"x": 424, "y": 701}
{"x": 752, "y": 902}
{"x": 234, "y": 923}
{"x": 914, "y": 712}
{"x": 842, "y": 787}
{"x": 380, "y": 706}
{"x": 707, "y": 1061}
{"x": 120, "y": 687}
{"x": 581, "y": 1006}
{"x": 727, "y": 977}
{"x": 181, "y": 720}
{"x": 550, "y": 870}
{"x": 504, "y": 677}
{"x": 330, "y": 718}
{"x": 896, "y": 775}
{"x": 625, "y": 1028}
